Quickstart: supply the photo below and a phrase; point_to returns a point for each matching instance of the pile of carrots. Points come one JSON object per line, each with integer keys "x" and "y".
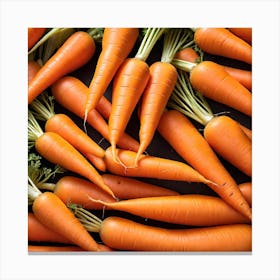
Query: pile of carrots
{"x": 139, "y": 139}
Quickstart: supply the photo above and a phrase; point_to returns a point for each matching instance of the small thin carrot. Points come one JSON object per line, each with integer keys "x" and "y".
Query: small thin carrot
{"x": 76, "y": 51}
{"x": 245, "y": 33}
{"x": 189, "y": 209}
{"x": 34, "y": 34}
{"x": 246, "y": 189}
{"x": 220, "y": 41}
{"x": 50, "y": 248}
{"x": 71, "y": 93}
{"x": 117, "y": 43}
{"x": 123, "y": 234}
{"x": 151, "y": 167}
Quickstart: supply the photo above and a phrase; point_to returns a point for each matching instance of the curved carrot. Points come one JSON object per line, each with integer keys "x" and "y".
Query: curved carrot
{"x": 220, "y": 41}
{"x": 243, "y": 33}
{"x": 117, "y": 43}
{"x": 193, "y": 148}
{"x": 246, "y": 189}
{"x": 222, "y": 130}
{"x": 34, "y": 34}
{"x": 127, "y": 188}
{"x": 76, "y": 51}
{"x": 49, "y": 248}
{"x": 71, "y": 93}
{"x": 40, "y": 233}
{"x": 33, "y": 68}
{"x": 151, "y": 167}
{"x": 189, "y": 209}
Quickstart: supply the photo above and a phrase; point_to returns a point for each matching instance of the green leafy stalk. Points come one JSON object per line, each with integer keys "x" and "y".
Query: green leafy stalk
{"x": 189, "y": 102}
{"x": 33, "y": 191}
{"x": 152, "y": 35}
{"x": 34, "y": 130}
{"x": 96, "y": 34}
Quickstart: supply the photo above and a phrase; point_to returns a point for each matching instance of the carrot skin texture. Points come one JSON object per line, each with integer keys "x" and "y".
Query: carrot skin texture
{"x": 123, "y": 234}
{"x": 48, "y": 248}
{"x": 220, "y": 41}
{"x": 71, "y": 93}
{"x": 40, "y": 233}
{"x": 151, "y": 167}
{"x": 79, "y": 191}
{"x": 128, "y": 188}
{"x": 33, "y": 68}
{"x": 77, "y": 50}
{"x": 57, "y": 150}
{"x": 247, "y": 131}
{"x": 246, "y": 189}
{"x": 243, "y": 33}
{"x": 117, "y": 43}
{"x": 54, "y": 214}
{"x": 215, "y": 83}
{"x": 195, "y": 150}
{"x": 190, "y": 209}
{"x": 34, "y": 34}
{"x": 240, "y": 153}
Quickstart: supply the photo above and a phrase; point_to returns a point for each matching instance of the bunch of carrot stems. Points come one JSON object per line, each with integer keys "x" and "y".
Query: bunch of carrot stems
{"x": 95, "y": 186}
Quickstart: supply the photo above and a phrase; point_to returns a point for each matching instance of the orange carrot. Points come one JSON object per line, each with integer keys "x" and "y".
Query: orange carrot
{"x": 57, "y": 150}
{"x": 34, "y": 34}
{"x": 188, "y": 54}
{"x": 49, "y": 248}
{"x": 220, "y": 41}
{"x": 33, "y": 68}
{"x": 40, "y": 233}
{"x": 189, "y": 209}
{"x": 104, "y": 107}
{"x": 223, "y": 130}
{"x": 193, "y": 148}
{"x": 54, "y": 214}
{"x": 247, "y": 131}
{"x": 123, "y": 234}
{"x": 76, "y": 51}
{"x": 117, "y": 43}
{"x": 151, "y": 167}
{"x": 243, "y": 33}
{"x": 212, "y": 80}
{"x": 127, "y": 188}
{"x": 246, "y": 189}
{"x": 71, "y": 93}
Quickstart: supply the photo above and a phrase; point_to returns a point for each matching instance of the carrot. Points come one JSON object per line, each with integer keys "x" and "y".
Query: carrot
{"x": 76, "y": 51}
{"x": 104, "y": 107}
{"x": 223, "y": 130}
{"x": 212, "y": 80}
{"x": 54, "y": 214}
{"x": 117, "y": 43}
{"x": 151, "y": 167}
{"x": 243, "y": 33}
{"x": 71, "y": 93}
{"x": 127, "y": 188}
{"x": 63, "y": 125}
{"x": 57, "y": 150}
{"x": 40, "y": 233}
{"x": 50, "y": 248}
{"x": 242, "y": 76}
{"x": 194, "y": 149}
{"x": 123, "y": 234}
{"x": 163, "y": 77}
{"x": 128, "y": 86}
{"x": 220, "y": 41}
{"x": 246, "y": 189}
{"x": 189, "y": 209}
{"x": 247, "y": 131}
{"x": 34, "y": 34}
{"x": 33, "y": 68}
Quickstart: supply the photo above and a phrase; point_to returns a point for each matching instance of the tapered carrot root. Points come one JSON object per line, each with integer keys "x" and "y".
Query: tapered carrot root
{"x": 151, "y": 167}
{"x": 49, "y": 248}
{"x": 240, "y": 153}
{"x": 71, "y": 93}
{"x": 77, "y": 50}
{"x": 246, "y": 189}
{"x": 123, "y": 234}
{"x": 192, "y": 210}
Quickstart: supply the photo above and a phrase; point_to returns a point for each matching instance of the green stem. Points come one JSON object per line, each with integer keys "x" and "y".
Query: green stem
{"x": 96, "y": 34}
{"x": 33, "y": 191}
{"x": 183, "y": 65}
{"x": 151, "y": 37}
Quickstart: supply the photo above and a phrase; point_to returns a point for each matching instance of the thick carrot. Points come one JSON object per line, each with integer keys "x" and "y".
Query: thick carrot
{"x": 57, "y": 150}
{"x": 189, "y": 209}
{"x": 33, "y": 68}
{"x": 151, "y": 167}
{"x": 71, "y": 93}
{"x": 243, "y": 33}
{"x": 40, "y": 233}
{"x": 220, "y": 41}
{"x": 127, "y": 188}
{"x": 34, "y": 34}
{"x": 76, "y": 51}
{"x": 194, "y": 149}
{"x": 123, "y": 234}
{"x": 117, "y": 43}
{"x": 50, "y": 248}
{"x": 246, "y": 189}
{"x": 223, "y": 130}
